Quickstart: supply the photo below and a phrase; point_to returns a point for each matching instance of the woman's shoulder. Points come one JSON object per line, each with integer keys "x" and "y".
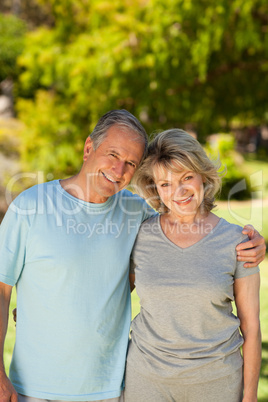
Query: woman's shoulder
{"x": 231, "y": 231}
{"x": 149, "y": 226}
{"x": 151, "y": 222}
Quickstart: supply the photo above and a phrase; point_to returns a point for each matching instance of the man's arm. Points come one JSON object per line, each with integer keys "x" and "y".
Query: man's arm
{"x": 7, "y": 391}
{"x": 252, "y": 251}
{"x": 246, "y": 292}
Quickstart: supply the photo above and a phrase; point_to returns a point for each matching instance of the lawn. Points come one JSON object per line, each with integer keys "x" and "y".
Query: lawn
{"x": 252, "y": 166}
{"x": 11, "y": 332}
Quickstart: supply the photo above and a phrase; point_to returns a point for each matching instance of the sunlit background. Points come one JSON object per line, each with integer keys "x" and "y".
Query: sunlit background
{"x": 197, "y": 65}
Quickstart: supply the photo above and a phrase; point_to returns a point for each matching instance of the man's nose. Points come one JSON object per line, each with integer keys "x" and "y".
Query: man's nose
{"x": 119, "y": 168}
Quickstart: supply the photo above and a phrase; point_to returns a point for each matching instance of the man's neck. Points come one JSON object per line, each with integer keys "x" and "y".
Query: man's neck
{"x": 75, "y": 187}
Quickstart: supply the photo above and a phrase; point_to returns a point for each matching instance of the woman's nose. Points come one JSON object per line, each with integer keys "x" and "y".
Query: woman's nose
{"x": 181, "y": 190}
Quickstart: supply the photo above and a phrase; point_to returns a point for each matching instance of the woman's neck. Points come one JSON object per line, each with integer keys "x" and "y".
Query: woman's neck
{"x": 194, "y": 219}
{"x": 185, "y": 233}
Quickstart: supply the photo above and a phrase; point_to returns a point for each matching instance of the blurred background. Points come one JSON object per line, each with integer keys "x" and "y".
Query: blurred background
{"x": 201, "y": 66}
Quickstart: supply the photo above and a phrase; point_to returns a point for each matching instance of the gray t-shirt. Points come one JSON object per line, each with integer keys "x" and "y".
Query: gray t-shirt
{"x": 186, "y": 330}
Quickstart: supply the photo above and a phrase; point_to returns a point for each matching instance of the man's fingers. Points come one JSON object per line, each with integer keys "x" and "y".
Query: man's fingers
{"x": 252, "y": 259}
{"x": 250, "y": 265}
{"x": 250, "y": 231}
{"x": 7, "y": 391}
{"x": 253, "y": 264}
{"x": 243, "y": 246}
{"x": 14, "y": 398}
{"x": 261, "y": 247}
{"x": 256, "y": 241}
{"x": 257, "y": 253}
{"x": 254, "y": 253}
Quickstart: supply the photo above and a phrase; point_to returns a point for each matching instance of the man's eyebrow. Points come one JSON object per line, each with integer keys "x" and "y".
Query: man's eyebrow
{"x": 112, "y": 150}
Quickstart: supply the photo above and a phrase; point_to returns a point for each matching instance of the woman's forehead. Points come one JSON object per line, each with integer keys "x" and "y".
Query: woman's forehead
{"x": 173, "y": 166}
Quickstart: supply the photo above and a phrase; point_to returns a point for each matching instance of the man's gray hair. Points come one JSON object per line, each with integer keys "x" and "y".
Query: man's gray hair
{"x": 121, "y": 118}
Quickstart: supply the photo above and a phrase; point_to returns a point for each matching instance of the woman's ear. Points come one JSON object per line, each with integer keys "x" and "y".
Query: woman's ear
{"x": 87, "y": 148}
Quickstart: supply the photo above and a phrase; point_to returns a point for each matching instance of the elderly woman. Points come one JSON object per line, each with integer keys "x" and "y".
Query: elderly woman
{"x": 185, "y": 342}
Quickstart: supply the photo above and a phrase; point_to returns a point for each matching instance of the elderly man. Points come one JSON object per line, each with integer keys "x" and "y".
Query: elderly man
{"x": 66, "y": 246}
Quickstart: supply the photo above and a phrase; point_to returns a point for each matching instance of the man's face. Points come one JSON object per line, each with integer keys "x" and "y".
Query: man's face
{"x": 111, "y": 166}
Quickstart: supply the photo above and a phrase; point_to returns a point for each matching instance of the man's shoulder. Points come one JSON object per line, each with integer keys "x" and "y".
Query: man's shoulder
{"x": 29, "y": 199}
{"x": 127, "y": 195}
{"x": 135, "y": 202}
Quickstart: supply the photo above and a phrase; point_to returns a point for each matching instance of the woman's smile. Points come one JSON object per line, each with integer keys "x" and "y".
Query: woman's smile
{"x": 185, "y": 201}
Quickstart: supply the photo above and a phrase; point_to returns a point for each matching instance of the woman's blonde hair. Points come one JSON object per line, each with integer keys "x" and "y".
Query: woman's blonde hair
{"x": 176, "y": 147}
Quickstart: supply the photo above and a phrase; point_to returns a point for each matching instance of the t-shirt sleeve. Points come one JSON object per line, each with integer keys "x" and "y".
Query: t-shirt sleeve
{"x": 148, "y": 212}
{"x": 240, "y": 271}
{"x": 13, "y": 236}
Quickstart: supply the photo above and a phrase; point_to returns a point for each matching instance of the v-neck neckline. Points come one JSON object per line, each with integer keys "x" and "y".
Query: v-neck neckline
{"x": 184, "y": 249}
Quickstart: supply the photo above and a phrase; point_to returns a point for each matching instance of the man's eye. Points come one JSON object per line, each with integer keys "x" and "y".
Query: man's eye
{"x": 132, "y": 164}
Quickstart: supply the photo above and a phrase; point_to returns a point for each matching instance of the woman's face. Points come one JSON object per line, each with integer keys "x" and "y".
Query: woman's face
{"x": 181, "y": 191}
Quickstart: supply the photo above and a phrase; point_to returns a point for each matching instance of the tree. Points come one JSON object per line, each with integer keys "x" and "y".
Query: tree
{"x": 12, "y": 31}
{"x": 30, "y": 11}
{"x": 169, "y": 62}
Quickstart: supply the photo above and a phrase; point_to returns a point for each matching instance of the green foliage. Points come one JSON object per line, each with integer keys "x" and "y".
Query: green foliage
{"x": 12, "y": 31}
{"x": 169, "y": 62}
{"x": 50, "y": 142}
{"x": 235, "y": 184}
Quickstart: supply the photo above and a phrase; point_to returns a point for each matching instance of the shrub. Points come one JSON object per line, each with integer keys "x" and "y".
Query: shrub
{"x": 235, "y": 183}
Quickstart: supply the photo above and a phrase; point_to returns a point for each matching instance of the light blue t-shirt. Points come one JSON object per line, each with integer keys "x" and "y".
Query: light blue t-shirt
{"x": 70, "y": 262}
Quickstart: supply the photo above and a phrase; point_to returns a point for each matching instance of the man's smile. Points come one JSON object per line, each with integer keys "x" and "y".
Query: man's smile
{"x": 109, "y": 178}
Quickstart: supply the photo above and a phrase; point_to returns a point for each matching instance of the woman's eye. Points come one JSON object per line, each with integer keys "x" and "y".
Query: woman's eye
{"x": 188, "y": 177}
{"x": 164, "y": 185}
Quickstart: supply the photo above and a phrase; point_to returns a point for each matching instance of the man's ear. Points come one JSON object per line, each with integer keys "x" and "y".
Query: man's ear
{"x": 87, "y": 148}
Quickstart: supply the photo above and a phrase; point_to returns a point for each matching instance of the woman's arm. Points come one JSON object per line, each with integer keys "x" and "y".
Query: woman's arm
{"x": 252, "y": 251}
{"x": 247, "y": 302}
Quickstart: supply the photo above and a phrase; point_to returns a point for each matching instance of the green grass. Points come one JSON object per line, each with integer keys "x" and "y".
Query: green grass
{"x": 263, "y": 386}
{"x": 251, "y": 165}
{"x": 246, "y": 212}
{"x": 11, "y": 332}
